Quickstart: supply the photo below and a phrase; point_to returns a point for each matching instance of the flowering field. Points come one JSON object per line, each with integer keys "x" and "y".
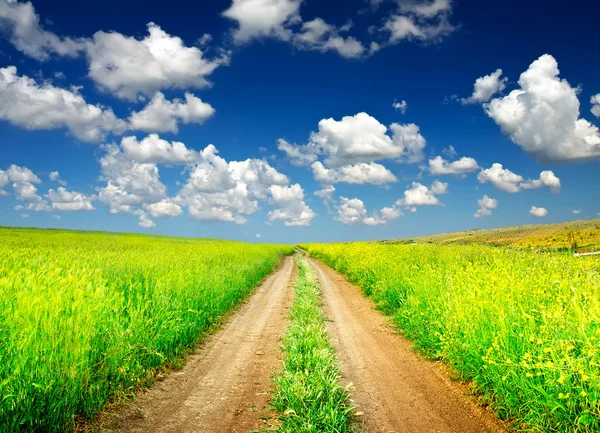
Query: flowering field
{"x": 524, "y": 327}
{"x": 86, "y": 316}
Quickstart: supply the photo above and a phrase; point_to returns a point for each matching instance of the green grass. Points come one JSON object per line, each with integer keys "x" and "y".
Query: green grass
{"x": 85, "y": 318}
{"x": 524, "y": 327}
{"x": 309, "y": 395}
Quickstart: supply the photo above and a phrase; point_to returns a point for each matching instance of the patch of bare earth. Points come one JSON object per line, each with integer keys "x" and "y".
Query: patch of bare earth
{"x": 225, "y": 386}
{"x": 396, "y": 391}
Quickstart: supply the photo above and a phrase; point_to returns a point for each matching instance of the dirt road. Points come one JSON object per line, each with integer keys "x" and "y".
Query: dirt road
{"x": 395, "y": 390}
{"x": 224, "y": 388}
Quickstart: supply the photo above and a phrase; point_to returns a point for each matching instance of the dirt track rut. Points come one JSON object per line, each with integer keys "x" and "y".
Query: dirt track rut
{"x": 224, "y": 387}
{"x": 395, "y": 389}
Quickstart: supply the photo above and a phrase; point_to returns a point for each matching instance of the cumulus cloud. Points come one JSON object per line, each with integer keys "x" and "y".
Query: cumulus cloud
{"x": 23, "y": 184}
{"x": 420, "y": 195}
{"x": 161, "y": 115}
{"x": 326, "y": 193}
{"x": 595, "y": 101}
{"x": 507, "y": 181}
{"x": 542, "y": 116}
{"x": 163, "y": 209}
{"x": 576, "y": 211}
{"x": 353, "y": 212}
{"x": 439, "y": 166}
{"x": 486, "y": 205}
{"x": 68, "y": 201}
{"x": 485, "y": 87}
{"x": 54, "y": 176}
{"x": 421, "y": 20}
{"x": 128, "y": 67}
{"x": 357, "y": 139}
{"x": 30, "y": 105}
{"x": 372, "y": 173}
{"x": 153, "y": 149}
{"x": 400, "y": 106}
{"x": 146, "y": 222}
{"x": 292, "y": 209}
{"x": 22, "y": 26}
{"x": 320, "y": 36}
{"x": 263, "y": 18}
{"x": 538, "y": 212}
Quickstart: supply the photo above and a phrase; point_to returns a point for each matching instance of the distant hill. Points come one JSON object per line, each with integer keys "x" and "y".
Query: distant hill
{"x": 580, "y": 236}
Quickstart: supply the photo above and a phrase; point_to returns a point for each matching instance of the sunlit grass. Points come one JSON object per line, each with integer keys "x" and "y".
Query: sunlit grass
{"x": 85, "y": 317}
{"x": 524, "y": 327}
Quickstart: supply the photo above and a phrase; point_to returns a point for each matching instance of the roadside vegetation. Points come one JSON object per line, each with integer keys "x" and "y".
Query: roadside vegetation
{"x": 523, "y": 327}
{"x": 85, "y": 317}
{"x": 309, "y": 395}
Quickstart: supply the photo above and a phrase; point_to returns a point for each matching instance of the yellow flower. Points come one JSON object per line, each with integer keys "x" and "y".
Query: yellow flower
{"x": 561, "y": 379}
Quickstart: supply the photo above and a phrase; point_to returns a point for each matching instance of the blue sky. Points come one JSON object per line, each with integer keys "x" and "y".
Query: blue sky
{"x": 328, "y": 121}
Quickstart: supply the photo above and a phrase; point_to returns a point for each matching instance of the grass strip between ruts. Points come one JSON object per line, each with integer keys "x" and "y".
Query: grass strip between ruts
{"x": 309, "y": 395}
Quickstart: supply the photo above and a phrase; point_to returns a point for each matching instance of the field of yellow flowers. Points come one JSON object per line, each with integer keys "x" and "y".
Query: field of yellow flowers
{"x": 86, "y": 316}
{"x": 522, "y": 326}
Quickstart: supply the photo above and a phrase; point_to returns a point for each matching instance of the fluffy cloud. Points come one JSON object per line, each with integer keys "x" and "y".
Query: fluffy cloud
{"x": 507, "y": 181}
{"x": 292, "y": 209}
{"x": 485, "y": 87}
{"x": 486, "y": 205}
{"x": 263, "y": 18}
{"x": 353, "y": 212}
{"x": 357, "y": 139}
{"x": 22, "y": 26}
{"x": 542, "y": 116}
{"x": 30, "y": 105}
{"x": 127, "y": 67}
{"x": 420, "y": 195}
{"x": 54, "y": 176}
{"x": 576, "y": 211}
{"x": 153, "y": 149}
{"x": 326, "y": 193}
{"x": 146, "y": 222}
{"x": 362, "y": 173}
{"x": 23, "y": 180}
{"x": 161, "y": 115}
{"x": 595, "y": 101}
{"x": 163, "y": 209}
{"x": 319, "y": 36}
{"x": 421, "y": 20}
{"x": 63, "y": 200}
{"x": 439, "y": 166}
{"x": 538, "y": 212}
{"x": 400, "y": 106}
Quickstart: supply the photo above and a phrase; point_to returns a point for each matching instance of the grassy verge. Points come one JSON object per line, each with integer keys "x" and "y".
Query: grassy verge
{"x": 309, "y": 395}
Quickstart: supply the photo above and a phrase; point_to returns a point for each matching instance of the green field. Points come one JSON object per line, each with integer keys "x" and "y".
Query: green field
{"x": 86, "y": 317}
{"x": 523, "y": 326}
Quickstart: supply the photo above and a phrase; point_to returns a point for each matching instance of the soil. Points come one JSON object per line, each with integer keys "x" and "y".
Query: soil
{"x": 395, "y": 390}
{"x": 225, "y": 386}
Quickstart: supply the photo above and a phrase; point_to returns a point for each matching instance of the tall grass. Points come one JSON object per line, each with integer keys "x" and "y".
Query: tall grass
{"x": 309, "y": 395}
{"x": 86, "y": 316}
{"x": 523, "y": 326}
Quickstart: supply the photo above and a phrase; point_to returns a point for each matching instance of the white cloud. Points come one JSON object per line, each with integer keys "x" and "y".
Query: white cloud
{"x": 23, "y": 180}
{"x": 421, "y": 20}
{"x": 542, "y": 116}
{"x": 576, "y": 211}
{"x": 357, "y": 139}
{"x": 439, "y": 166}
{"x": 263, "y": 18}
{"x": 55, "y": 177}
{"x": 353, "y": 212}
{"x": 258, "y": 236}
{"x": 153, "y": 149}
{"x": 485, "y": 87}
{"x": 450, "y": 151}
{"x": 507, "y": 181}
{"x": 420, "y": 195}
{"x": 163, "y": 209}
{"x": 362, "y": 173}
{"x": 486, "y": 205}
{"x": 34, "y": 106}
{"x": 319, "y": 36}
{"x": 400, "y": 106}
{"x": 326, "y": 193}
{"x": 292, "y": 209}
{"x": 22, "y": 26}
{"x": 161, "y": 115}
{"x": 127, "y": 67}
{"x": 595, "y": 101}
{"x": 146, "y": 222}
{"x": 67, "y": 201}
{"x": 24, "y": 215}
{"x": 538, "y": 212}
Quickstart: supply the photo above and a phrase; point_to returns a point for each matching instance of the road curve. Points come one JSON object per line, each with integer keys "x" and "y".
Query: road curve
{"x": 224, "y": 387}
{"x": 395, "y": 390}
